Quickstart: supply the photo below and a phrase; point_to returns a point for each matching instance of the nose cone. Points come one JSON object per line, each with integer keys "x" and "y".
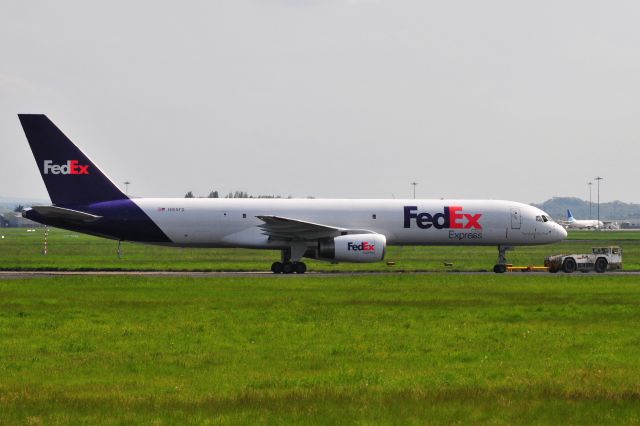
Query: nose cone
{"x": 561, "y": 232}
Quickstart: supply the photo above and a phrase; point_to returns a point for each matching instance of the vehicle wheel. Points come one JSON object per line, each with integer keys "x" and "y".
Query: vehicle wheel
{"x": 500, "y": 269}
{"x": 299, "y": 268}
{"x": 569, "y": 265}
{"x": 601, "y": 265}
{"x": 276, "y": 267}
{"x": 287, "y": 267}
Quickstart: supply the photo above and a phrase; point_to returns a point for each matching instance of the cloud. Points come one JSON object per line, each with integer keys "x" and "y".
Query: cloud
{"x": 17, "y": 84}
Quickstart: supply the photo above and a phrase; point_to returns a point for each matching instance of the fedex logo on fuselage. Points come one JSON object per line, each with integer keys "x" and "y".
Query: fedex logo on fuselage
{"x": 452, "y": 217}
{"x": 73, "y": 167}
{"x": 363, "y": 246}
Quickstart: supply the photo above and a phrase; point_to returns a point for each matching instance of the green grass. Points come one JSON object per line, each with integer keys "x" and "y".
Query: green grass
{"x": 396, "y": 349}
{"x": 604, "y": 235}
{"x": 72, "y": 251}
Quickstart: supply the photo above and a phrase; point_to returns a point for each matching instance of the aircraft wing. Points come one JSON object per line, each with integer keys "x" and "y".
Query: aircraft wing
{"x": 54, "y": 212}
{"x": 283, "y": 228}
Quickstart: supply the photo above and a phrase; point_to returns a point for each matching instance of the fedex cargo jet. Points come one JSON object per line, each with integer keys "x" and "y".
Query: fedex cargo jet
{"x": 85, "y": 200}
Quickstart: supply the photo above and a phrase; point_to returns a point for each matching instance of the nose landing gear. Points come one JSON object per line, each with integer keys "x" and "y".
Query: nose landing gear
{"x": 501, "y": 265}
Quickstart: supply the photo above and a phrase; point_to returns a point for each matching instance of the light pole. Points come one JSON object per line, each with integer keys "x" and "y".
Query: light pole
{"x": 126, "y": 187}
{"x": 590, "y": 185}
{"x": 414, "y": 189}
{"x": 598, "y": 179}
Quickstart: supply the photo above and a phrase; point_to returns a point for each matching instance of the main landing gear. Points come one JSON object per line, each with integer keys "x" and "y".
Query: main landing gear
{"x": 501, "y": 265}
{"x": 287, "y": 266}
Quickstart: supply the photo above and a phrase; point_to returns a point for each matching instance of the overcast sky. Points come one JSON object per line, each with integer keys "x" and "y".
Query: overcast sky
{"x": 519, "y": 100}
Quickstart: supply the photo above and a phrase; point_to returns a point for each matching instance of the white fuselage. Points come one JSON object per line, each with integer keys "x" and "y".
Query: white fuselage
{"x": 211, "y": 222}
{"x": 584, "y": 224}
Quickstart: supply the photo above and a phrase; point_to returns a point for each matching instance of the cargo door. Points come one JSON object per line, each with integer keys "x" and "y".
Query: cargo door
{"x": 516, "y": 220}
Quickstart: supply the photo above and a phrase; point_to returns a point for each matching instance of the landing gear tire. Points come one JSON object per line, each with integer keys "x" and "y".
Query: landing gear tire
{"x": 601, "y": 265}
{"x": 276, "y": 267}
{"x": 500, "y": 269}
{"x": 569, "y": 265}
{"x": 287, "y": 268}
{"x": 299, "y": 268}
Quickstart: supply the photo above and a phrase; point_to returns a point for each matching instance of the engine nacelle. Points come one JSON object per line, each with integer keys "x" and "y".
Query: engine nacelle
{"x": 353, "y": 248}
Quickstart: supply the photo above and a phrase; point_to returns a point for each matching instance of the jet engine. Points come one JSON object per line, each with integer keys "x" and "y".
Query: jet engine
{"x": 353, "y": 248}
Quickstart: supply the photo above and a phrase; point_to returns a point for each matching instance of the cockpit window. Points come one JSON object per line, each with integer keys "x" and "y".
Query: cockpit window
{"x": 538, "y": 218}
{"x": 545, "y": 218}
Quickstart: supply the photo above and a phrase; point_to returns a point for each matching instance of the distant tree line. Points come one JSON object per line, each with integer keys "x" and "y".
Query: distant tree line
{"x": 614, "y": 210}
{"x": 235, "y": 194}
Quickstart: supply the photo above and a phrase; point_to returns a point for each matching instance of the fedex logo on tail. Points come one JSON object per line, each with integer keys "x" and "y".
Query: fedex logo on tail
{"x": 73, "y": 167}
{"x": 452, "y": 217}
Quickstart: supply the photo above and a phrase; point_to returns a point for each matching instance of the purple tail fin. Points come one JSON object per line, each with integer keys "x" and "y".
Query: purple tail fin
{"x": 70, "y": 177}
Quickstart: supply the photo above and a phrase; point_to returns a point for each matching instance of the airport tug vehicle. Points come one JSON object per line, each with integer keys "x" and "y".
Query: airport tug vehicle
{"x": 600, "y": 259}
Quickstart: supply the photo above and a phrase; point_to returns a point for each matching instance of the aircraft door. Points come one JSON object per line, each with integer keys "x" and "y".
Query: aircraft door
{"x": 516, "y": 220}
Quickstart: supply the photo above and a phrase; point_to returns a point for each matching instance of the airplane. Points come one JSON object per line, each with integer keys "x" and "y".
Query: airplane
{"x": 573, "y": 223}
{"x": 85, "y": 200}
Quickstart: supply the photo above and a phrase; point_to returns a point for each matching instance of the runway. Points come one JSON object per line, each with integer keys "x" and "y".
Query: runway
{"x": 205, "y": 274}
{"x": 266, "y": 274}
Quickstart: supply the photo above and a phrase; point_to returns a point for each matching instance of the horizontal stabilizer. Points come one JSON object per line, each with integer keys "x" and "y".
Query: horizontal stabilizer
{"x": 53, "y": 212}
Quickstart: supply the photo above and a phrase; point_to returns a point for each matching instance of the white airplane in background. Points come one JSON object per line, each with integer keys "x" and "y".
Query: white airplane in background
{"x": 573, "y": 223}
{"x": 85, "y": 200}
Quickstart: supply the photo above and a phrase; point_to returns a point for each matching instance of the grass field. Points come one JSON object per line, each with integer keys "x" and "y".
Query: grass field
{"x": 399, "y": 349}
{"x": 332, "y": 349}
{"x": 72, "y": 251}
